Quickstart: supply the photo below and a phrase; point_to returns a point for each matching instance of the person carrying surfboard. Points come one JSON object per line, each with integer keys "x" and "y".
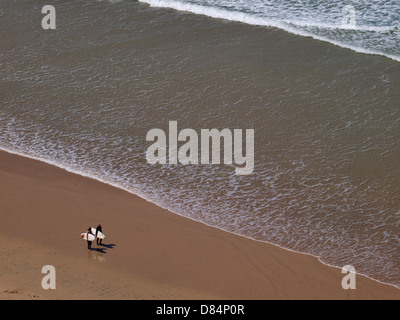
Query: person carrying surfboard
{"x": 99, "y": 229}
{"x": 89, "y": 242}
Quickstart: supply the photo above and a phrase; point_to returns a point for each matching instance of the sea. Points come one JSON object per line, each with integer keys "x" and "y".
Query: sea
{"x": 317, "y": 81}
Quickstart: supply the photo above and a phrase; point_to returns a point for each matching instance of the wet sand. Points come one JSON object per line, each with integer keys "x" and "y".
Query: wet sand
{"x": 148, "y": 253}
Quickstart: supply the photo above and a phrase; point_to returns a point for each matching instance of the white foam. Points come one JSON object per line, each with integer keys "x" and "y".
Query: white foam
{"x": 329, "y": 26}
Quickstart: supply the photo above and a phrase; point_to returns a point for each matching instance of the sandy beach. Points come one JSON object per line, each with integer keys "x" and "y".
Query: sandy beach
{"x": 148, "y": 253}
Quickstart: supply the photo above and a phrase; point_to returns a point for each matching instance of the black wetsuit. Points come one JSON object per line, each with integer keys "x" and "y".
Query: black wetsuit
{"x": 98, "y": 229}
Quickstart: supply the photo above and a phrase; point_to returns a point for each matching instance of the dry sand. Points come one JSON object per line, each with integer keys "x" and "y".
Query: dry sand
{"x": 149, "y": 252}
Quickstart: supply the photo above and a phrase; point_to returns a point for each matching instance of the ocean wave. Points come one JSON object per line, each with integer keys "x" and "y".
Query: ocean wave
{"x": 292, "y": 26}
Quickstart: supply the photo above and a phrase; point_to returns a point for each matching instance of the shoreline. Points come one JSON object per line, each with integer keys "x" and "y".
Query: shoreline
{"x": 180, "y": 258}
{"x": 71, "y": 171}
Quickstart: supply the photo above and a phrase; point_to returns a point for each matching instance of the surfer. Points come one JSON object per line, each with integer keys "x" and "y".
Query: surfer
{"x": 89, "y": 243}
{"x": 99, "y": 229}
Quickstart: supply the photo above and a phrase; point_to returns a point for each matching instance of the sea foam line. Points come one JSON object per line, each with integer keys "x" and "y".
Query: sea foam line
{"x": 242, "y": 17}
{"x": 70, "y": 169}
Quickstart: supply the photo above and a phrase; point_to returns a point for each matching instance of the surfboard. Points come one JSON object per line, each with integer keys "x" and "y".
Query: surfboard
{"x": 99, "y": 234}
{"x": 85, "y": 235}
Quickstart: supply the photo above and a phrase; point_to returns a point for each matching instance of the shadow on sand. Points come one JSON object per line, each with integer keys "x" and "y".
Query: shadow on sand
{"x": 108, "y": 246}
{"x": 102, "y": 247}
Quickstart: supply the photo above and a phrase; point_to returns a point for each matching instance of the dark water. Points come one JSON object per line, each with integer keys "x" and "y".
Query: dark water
{"x": 369, "y": 26}
{"x": 326, "y": 119}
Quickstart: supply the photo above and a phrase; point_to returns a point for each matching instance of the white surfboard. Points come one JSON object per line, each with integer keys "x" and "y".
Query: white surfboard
{"x": 99, "y": 234}
{"x": 86, "y": 235}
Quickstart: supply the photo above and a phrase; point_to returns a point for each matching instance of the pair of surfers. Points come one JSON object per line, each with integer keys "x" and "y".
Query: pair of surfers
{"x": 98, "y": 241}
